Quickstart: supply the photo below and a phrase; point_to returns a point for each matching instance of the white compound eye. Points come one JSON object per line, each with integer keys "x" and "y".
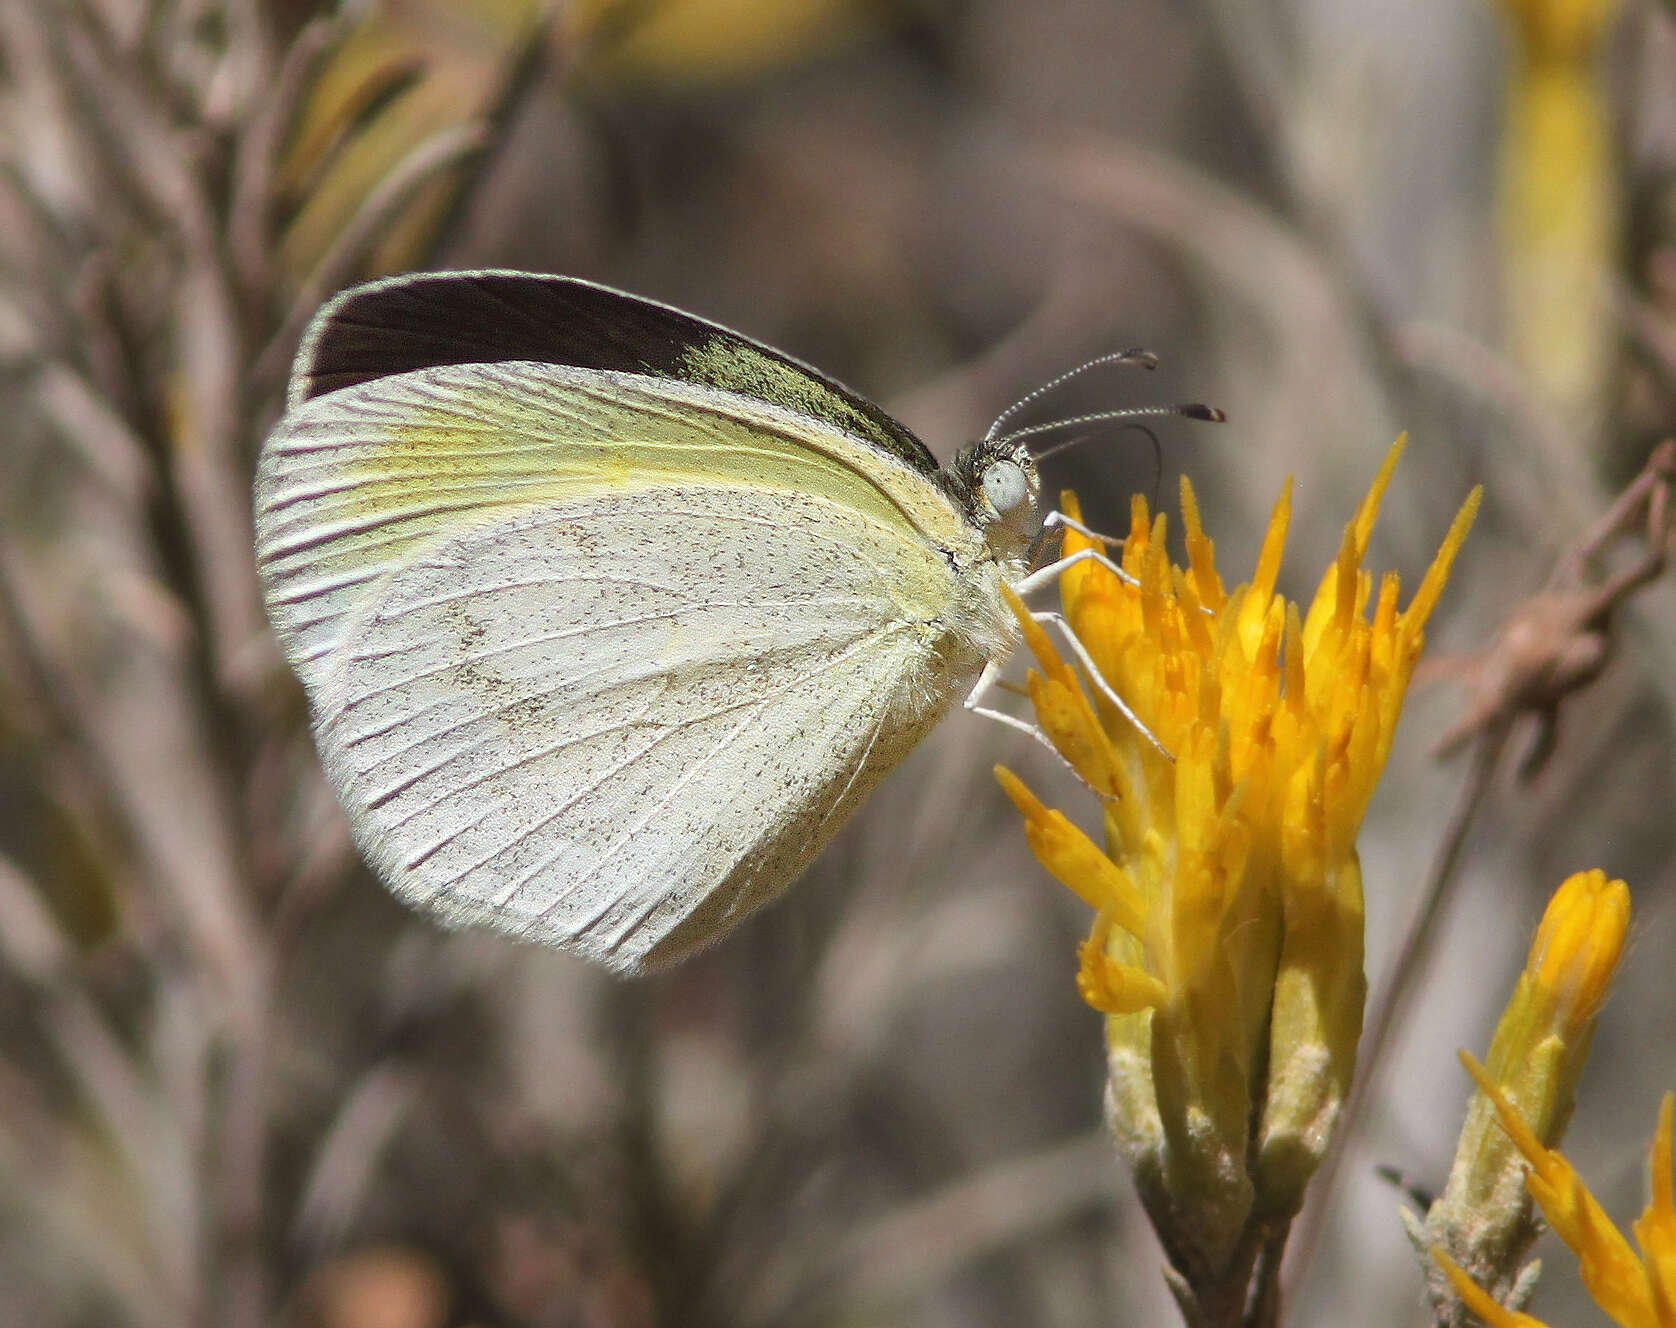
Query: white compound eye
{"x": 1006, "y": 487}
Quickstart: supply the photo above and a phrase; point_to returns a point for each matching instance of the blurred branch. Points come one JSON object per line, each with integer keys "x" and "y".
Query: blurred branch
{"x": 1533, "y": 485}
{"x": 126, "y": 1115}
{"x": 445, "y": 148}
{"x": 140, "y": 373}
{"x": 1254, "y": 51}
{"x": 50, "y": 1177}
{"x": 250, "y": 213}
{"x": 347, "y": 1161}
{"x": 66, "y": 760}
{"x": 160, "y": 166}
{"x": 1649, "y": 335}
{"x": 97, "y": 433}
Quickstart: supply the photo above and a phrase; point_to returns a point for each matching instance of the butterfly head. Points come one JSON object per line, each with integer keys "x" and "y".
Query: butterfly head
{"x": 996, "y": 476}
{"x": 1000, "y": 490}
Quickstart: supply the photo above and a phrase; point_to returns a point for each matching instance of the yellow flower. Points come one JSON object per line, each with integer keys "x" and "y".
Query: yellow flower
{"x": 1227, "y": 943}
{"x": 1483, "y": 1220}
{"x": 1636, "y": 1290}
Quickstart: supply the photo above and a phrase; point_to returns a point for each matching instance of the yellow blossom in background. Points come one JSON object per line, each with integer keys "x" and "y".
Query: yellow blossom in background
{"x": 405, "y": 92}
{"x": 711, "y": 41}
{"x": 1227, "y": 943}
{"x": 1483, "y": 1223}
{"x": 1637, "y": 1290}
{"x": 1559, "y": 202}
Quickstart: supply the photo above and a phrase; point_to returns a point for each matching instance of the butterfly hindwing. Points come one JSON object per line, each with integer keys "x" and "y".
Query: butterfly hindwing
{"x": 542, "y": 730}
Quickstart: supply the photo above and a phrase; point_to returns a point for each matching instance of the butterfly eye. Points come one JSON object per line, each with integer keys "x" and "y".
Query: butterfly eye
{"x": 1006, "y": 487}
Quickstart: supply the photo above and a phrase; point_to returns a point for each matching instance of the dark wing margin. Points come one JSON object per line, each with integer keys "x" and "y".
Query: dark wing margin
{"x": 426, "y": 319}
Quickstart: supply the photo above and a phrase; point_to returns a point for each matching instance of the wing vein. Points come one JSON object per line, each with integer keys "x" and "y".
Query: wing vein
{"x": 671, "y": 730}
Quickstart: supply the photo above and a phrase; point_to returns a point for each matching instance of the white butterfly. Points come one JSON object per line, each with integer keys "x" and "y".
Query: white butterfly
{"x": 610, "y": 617}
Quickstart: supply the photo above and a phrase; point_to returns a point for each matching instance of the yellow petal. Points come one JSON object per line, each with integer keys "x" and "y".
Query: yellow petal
{"x": 1478, "y": 1300}
{"x": 1073, "y": 859}
{"x": 1114, "y": 988}
{"x": 1655, "y": 1232}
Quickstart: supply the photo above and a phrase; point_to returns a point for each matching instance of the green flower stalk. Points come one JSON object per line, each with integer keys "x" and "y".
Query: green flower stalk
{"x": 1484, "y": 1222}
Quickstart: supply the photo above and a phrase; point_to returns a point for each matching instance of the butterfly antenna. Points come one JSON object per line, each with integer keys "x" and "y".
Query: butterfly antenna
{"x": 1157, "y": 461}
{"x": 1191, "y": 410}
{"x": 1144, "y": 358}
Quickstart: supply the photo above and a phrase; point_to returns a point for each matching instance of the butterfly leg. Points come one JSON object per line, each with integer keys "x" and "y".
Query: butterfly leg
{"x": 1064, "y": 521}
{"x": 1063, "y": 624}
{"x": 1042, "y": 575}
{"x": 1056, "y": 521}
{"x": 1057, "y": 568}
{"x": 990, "y": 680}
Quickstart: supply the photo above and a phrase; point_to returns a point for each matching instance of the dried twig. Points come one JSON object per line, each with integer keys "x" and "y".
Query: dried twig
{"x": 250, "y": 219}
{"x": 1558, "y": 641}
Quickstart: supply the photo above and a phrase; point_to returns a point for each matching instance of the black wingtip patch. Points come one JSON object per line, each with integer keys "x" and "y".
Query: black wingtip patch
{"x": 429, "y": 319}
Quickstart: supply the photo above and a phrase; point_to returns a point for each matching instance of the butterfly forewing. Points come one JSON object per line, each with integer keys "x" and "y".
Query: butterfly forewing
{"x": 354, "y": 484}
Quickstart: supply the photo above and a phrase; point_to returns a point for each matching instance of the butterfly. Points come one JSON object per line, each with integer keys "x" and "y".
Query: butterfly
{"x": 609, "y": 617}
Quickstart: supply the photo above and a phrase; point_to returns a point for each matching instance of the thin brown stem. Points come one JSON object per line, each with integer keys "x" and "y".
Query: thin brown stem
{"x": 250, "y": 219}
{"x": 1263, "y": 1306}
